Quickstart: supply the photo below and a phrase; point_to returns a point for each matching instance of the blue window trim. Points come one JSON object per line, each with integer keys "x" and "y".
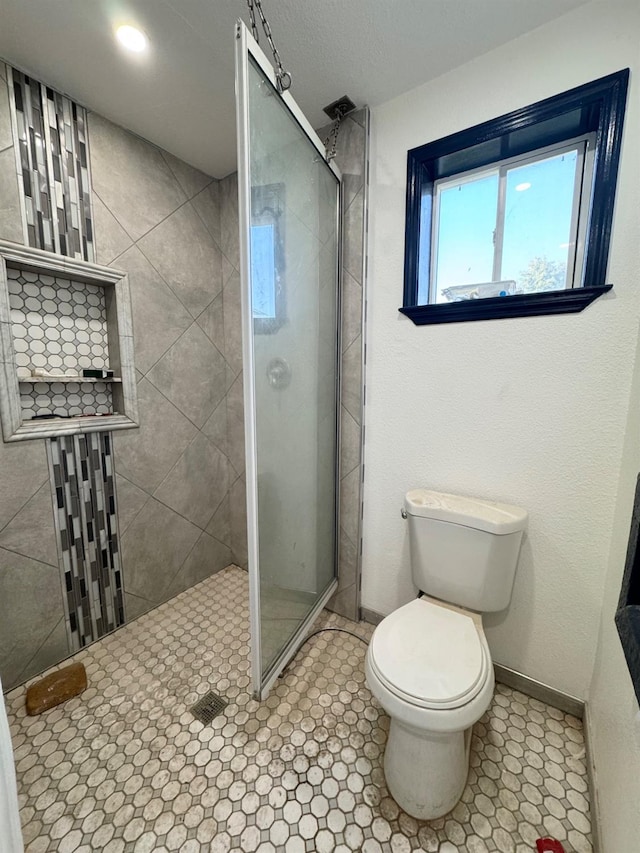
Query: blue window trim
{"x": 597, "y": 107}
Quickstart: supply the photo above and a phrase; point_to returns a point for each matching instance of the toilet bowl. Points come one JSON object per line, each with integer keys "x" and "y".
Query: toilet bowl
{"x": 428, "y": 663}
{"x": 430, "y": 668}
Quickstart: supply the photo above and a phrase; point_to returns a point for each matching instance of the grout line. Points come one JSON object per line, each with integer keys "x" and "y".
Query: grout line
{"x": 135, "y": 485}
{"x": 22, "y": 677}
{"x": 137, "y": 242}
{"x": 28, "y": 500}
{"x": 163, "y": 152}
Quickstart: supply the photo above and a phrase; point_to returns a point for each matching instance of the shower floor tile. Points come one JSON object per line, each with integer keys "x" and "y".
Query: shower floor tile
{"x": 126, "y": 767}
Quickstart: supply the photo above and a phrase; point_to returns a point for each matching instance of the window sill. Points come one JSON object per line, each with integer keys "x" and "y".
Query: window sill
{"x": 500, "y": 307}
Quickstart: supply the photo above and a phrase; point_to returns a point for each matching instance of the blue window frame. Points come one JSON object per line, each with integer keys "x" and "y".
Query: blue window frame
{"x": 575, "y": 136}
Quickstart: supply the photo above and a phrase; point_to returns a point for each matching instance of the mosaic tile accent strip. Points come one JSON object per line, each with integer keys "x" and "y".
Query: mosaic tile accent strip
{"x": 58, "y": 325}
{"x": 125, "y": 767}
{"x": 50, "y": 133}
{"x": 85, "y": 518}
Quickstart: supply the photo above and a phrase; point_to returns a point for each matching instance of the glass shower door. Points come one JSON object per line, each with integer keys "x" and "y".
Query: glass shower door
{"x": 289, "y": 235}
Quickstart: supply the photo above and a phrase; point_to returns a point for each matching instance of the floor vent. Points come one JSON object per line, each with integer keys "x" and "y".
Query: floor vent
{"x": 207, "y": 708}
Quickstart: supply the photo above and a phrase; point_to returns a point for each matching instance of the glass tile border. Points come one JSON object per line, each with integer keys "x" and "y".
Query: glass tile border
{"x": 53, "y": 166}
{"x": 82, "y": 479}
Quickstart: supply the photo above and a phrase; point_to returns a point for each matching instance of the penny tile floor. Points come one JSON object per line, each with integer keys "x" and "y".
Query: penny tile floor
{"x": 126, "y": 767}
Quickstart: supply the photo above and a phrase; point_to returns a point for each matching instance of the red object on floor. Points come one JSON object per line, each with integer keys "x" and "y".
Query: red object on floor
{"x": 549, "y": 845}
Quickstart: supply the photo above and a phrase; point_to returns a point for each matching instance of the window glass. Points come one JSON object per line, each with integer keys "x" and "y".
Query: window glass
{"x": 506, "y": 230}
{"x": 263, "y": 280}
{"x": 539, "y": 235}
{"x": 465, "y": 232}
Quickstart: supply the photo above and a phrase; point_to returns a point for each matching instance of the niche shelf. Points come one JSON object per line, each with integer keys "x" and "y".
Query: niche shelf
{"x": 59, "y": 316}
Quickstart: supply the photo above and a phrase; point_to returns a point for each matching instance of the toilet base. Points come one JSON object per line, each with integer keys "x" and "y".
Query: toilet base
{"x": 426, "y": 772}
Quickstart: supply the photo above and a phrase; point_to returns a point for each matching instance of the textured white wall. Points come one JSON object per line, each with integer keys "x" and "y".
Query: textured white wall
{"x": 614, "y": 727}
{"x": 530, "y": 411}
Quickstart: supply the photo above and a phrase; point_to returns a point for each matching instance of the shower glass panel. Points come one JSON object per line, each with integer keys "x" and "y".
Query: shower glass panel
{"x": 289, "y": 230}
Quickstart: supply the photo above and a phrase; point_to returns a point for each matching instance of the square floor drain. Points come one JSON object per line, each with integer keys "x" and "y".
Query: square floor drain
{"x": 207, "y": 708}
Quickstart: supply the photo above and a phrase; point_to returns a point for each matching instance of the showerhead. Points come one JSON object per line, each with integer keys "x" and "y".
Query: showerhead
{"x": 340, "y": 108}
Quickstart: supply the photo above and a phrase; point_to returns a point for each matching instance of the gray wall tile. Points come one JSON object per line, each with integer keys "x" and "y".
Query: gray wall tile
{"x": 235, "y": 425}
{"x": 30, "y": 609}
{"x": 207, "y": 206}
{"x": 159, "y": 318}
{"x": 10, "y": 216}
{"x": 238, "y": 519}
{"x": 136, "y": 606}
{"x": 131, "y": 499}
{"x": 207, "y": 557}
{"x": 24, "y": 470}
{"x": 146, "y": 455}
{"x": 193, "y": 375}
{"x": 53, "y": 649}
{"x": 155, "y": 546}
{"x": 351, "y": 310}
{"x": 350, "y": 504}
{"x": 191, "y": 180}
{"x": 112, "y": 240}
{"x": 187, "y": 257}
{"x": 232, "y": 298}
{"x": 211, "y": 321}
{"x": 216, "y": 427}
{"x": 353, "y": 248}
{"x": 6, "y": 136}
{"x": 198, "y": 483}
{"x": 131, "y": 177}
{"x": 229, "y": 234}
{"x": 220, "y": 525}
{"x": 350, "y": 443}
{"x": 31, "y": 532}
{"x": 352, "y": 379}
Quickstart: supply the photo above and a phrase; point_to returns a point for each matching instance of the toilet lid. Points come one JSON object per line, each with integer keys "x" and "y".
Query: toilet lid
{"x": 430, "y": 655}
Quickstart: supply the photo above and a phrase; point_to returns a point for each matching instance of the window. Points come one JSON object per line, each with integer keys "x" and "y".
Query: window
{"x": 267, "y": 258}
{"x": 513, "y": 217}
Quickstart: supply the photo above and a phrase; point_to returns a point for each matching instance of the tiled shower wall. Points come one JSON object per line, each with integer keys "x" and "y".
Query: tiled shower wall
{"x": 352, "y": 154}
{"x": 158, "y": 219}
{"x": 32, "y": 624}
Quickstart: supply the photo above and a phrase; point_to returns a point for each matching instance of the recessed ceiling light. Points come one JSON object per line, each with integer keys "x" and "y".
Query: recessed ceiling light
{"x": 132, "y": 38}
{"x": 520, "y": 188}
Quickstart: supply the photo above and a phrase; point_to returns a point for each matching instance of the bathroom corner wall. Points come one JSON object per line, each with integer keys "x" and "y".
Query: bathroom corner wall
{"x": 32, "y": 629}
{"x": 159, "y": 220}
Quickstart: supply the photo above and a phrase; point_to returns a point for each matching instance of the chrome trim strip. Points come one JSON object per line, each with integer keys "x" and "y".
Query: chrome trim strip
{"x": 538, "y": 690}
{"x": 592, "y": 781}
{"x": 250, "y": 444}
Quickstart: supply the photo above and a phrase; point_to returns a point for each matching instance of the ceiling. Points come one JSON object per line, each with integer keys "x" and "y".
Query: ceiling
{"x": 180, "y": 94}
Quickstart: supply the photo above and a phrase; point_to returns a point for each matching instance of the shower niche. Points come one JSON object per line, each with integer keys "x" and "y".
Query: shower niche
{"x": 66, "y": 346}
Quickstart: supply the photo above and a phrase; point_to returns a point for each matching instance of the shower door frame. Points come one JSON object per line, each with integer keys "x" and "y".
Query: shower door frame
{"x": 247, "y": 46}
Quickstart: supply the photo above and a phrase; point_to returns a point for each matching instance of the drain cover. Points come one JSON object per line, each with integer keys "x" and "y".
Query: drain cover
{"x": 208, "y": 707}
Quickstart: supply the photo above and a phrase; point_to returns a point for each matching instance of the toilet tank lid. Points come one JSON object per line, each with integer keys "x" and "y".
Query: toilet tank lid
{"x": 492, "y": 517}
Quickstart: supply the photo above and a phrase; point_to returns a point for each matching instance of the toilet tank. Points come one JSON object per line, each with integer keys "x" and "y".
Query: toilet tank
{"x": 464, "y": 550}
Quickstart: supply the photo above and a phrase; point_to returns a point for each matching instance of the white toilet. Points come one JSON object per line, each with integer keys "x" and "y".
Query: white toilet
{"x": 428, "y": 663}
